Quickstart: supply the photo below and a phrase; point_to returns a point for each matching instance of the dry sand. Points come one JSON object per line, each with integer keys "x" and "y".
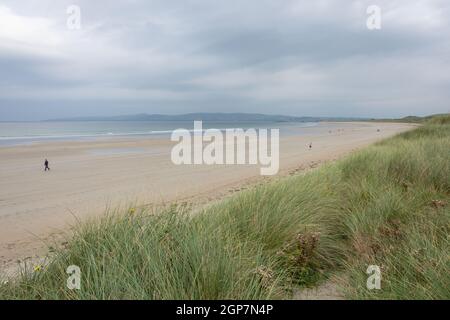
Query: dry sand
{"x": 86, "y": 177}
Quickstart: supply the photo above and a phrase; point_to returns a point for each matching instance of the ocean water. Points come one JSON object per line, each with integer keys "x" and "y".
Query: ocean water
{"x": 16, "y": 133}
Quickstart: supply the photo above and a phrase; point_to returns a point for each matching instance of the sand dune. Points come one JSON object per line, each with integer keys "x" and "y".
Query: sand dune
{"x": 86, "y": 177}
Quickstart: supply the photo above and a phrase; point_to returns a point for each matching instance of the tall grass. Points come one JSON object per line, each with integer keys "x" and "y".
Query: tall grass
{"x": 386, "y": 205}
{"x": 398, "y": 215}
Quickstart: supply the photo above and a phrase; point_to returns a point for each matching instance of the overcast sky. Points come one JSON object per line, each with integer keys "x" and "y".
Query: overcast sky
{"x": 294, "y": 57}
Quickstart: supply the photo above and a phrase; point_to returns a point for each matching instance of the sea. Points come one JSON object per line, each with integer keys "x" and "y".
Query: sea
{"x": 20, "y": 133}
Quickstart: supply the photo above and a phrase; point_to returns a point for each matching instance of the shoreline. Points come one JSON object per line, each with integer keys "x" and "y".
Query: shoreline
{"x": 161, "y": 133}
{"x": 35, "y": 204}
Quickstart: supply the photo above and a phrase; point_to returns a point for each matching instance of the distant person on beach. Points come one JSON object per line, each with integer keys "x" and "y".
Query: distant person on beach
{"x": 310, "y": 145}
{"x": 46, "y": 165}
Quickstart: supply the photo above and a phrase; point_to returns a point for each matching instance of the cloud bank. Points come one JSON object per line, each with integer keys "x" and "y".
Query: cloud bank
{"x": 293, "y": 57}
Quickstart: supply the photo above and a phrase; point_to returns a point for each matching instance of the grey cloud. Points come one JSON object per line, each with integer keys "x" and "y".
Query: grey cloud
{"x": 296, "y": 57}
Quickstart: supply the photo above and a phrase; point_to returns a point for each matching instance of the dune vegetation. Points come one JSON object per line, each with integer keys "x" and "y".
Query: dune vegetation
{"x": 386, "y": 205}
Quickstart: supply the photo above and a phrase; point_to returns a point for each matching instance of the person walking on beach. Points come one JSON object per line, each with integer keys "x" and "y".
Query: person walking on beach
{"x": 310, "y": 145}
{"x": 46, "y": 165}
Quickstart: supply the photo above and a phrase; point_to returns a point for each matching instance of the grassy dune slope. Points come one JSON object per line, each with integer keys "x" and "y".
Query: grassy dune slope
{"x": 387, "y": 205}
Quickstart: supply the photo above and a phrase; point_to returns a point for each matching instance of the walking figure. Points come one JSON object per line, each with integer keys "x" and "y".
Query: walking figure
{"x": 46, "y": 165}
{"x": 310, "y": 145}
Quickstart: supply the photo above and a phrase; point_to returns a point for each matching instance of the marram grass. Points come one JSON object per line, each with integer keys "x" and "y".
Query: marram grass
{"x": 387, "y": 205}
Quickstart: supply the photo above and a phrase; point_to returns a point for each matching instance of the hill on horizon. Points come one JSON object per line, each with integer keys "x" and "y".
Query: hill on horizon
{"x": 205, "y": 117}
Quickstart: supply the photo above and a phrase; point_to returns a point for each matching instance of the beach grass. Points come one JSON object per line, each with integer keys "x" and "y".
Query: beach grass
{"x": 386, "y": 205}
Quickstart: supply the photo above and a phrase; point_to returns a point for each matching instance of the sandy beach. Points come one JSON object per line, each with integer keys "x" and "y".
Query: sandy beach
{"x": 87, "y": 177}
